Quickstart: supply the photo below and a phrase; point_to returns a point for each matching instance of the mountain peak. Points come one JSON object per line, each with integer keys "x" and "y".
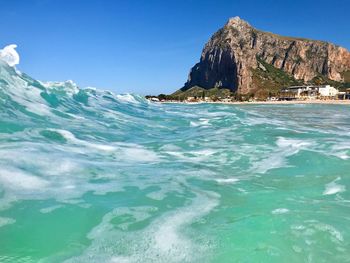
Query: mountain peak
{"x": 237, "y": 22}
{"x": 246, "y": 60}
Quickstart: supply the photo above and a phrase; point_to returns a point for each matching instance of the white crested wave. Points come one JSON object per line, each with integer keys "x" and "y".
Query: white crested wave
{"x": 10, "y": 55}
{"x": 68, "y": 86}
{"x": 127, "y": 98}
{"x": 169, "y": 183}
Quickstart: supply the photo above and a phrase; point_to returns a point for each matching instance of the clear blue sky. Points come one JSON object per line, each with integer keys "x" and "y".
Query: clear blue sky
{"x": 148, "y": 46}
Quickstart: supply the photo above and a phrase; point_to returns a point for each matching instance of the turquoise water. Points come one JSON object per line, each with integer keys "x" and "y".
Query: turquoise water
{"x": 91, "y": 176}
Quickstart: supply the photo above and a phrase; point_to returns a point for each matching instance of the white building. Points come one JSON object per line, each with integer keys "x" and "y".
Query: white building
{"x": 327, "y": 91}
{"x": 310, "y": 91}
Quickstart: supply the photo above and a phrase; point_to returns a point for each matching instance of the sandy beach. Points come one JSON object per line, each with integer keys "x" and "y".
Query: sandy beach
{"x": 336, "y": 102}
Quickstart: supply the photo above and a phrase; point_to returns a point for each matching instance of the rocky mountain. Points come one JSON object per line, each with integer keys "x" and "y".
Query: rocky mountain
{"x": 246, "y": 60}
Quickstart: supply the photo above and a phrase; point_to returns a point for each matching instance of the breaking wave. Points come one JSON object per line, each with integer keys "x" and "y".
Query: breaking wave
{"x": 103, "y": 177}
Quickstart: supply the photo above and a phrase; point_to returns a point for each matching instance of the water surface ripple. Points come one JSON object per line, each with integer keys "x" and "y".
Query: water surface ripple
{"x": 91, "y": 176}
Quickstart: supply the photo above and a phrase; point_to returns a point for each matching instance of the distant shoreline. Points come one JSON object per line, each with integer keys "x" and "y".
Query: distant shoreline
{"x": 335, "y": 102}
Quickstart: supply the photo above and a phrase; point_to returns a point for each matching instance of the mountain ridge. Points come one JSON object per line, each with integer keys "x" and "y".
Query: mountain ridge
{"x": 236, "y": 57}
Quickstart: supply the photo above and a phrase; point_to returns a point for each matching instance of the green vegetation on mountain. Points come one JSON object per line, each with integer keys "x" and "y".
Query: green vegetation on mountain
{"x": 268, "y": 80}
{"x": 199, "y": 92}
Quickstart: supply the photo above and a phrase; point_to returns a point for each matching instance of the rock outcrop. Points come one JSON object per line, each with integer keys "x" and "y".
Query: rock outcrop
{"x": 244, "y": 59}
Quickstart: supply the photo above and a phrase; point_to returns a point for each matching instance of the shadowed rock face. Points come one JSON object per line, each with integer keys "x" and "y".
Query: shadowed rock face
{"x": 232, "y": 54}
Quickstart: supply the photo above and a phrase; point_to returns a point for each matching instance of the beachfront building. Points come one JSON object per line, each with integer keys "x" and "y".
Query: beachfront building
{"x": 191, "y": 99}
{"x": 328, "y": 91}
{"x": 344, "y": 95}
{"x": 308, "y": 92}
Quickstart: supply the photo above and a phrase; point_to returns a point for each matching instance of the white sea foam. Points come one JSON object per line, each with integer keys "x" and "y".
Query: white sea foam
{"x": 17, "y": 179}
{"x": 10, "y": 55}
{"x": 68, "y": 86}
{"x": 6, "y": 221}
{"x": 194, "y": 124}
{"x": 168, "y": 237}
{"x": 202, "y": 122}
{"x": 227, "y": 180}
{"x": 341, "y": 149}
{"x": 139, "y": 154}
{"x": 38, "y": 108}
{"x": 313, "y": 228}
{"x": 204, "y": 152}
{"x": 333, "y": 232}
{"x": 25, "y": 94}
{"x": 294, "y": 144}
{"x": 280, "y": 211}
{"x": 127, "y": 98}
{"x": 127, "y": 151}
{"x": 333, "y": 188}
{"x": 32, "y": 101}
{"x": 158, "y": 195}
{"x": 278, "y": 157}
{"x": 110, "y": 150}
{"x": 170, "y": 147}
{"x": 50, "y": 209}
{"x": 60, "y": 175}
{"x": 162, "y": 241}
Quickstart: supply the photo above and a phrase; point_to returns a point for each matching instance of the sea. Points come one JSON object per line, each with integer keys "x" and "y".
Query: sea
{"x": 87, "y": 175}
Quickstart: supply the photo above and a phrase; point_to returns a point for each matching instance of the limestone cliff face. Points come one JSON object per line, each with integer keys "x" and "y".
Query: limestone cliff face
{"x": 234, "y": 54}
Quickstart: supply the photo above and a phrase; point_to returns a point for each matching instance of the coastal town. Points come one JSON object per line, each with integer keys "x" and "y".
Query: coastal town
{"x": 302, "y": 93}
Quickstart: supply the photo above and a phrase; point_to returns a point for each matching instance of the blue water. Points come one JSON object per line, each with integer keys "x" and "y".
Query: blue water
{"x": 90, "y": 176}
